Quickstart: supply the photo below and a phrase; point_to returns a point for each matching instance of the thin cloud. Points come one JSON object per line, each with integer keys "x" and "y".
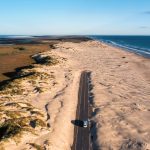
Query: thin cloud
{"x": 147, "y": 12}
{"x": 144, "y": 27}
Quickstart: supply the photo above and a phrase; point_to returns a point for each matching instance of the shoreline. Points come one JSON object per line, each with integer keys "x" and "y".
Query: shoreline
{"x": 125, "y": 48}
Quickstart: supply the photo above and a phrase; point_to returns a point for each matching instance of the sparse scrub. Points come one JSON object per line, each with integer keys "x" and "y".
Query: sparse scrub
{"x": 37, "y": 113}
{"x": 12, "y": 114}
{"x": 40, "y": 122}
{"x": 46, "y": 60}
{"x": 18, "y": 117}
{"x": 38, "y": 89}
{"x": 52, "y": 46}
{"x": 22, "y": 104}
{"x": 9, "y": 129}
{"x": 13, "y": 104}
{"x": 27, "y": 108}
{"x": 21, "y": 48}
{"x": 12, "y": 88}
{"x": 36, "y": 146}
{"x": 15, "y": 87}
{"x": 40, "y": 76}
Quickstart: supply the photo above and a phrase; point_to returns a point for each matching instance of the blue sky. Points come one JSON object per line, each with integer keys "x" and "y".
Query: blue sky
{"x": 55, "y": 17}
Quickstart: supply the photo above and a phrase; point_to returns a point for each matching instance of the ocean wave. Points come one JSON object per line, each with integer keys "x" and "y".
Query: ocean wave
{"x": 137, "y": 50}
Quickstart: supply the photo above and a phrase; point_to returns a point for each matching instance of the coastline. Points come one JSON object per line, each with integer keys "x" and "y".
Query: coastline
{"x": 121, "y": 85}
{"x": 31, "y": 48}
{"x": 125, "y": 50}
{"x": 123, "y": 45}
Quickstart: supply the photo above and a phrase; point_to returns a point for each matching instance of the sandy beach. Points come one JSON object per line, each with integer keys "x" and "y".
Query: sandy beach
{"x": 36, "y": 108}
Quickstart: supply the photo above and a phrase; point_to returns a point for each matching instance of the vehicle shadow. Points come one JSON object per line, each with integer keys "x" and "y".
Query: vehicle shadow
{"x": 78, "y": 123}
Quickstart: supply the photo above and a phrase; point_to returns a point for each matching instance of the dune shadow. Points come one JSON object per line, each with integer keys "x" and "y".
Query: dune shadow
{"x": 78, "y": 123}
{"x": 24, "y": 67}
{"x": 14, "y": 74}
{"x": 10, "y": 74}
{"x": 5, "y": 82}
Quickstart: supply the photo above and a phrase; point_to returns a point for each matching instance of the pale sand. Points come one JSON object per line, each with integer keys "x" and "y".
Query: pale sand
{"x": 121, "y": 88}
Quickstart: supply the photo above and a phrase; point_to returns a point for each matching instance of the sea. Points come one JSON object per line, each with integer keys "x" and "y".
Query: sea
{"x": 14, "y": 36}
{"x": 12, "y": 39}
{"x": 137, "y": 44}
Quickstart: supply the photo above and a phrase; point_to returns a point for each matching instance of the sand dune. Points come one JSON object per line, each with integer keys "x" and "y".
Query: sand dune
{"x": 121, "y": 88}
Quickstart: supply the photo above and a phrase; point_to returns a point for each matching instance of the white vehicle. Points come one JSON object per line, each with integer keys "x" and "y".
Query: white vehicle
{"x": 85, "y": 123}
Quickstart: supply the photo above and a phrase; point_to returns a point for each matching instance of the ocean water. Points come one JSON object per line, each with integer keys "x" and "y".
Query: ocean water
{"x": 11, "y": 39}
{"x": 136, "y": 44}
{"x": 14, "y": 36}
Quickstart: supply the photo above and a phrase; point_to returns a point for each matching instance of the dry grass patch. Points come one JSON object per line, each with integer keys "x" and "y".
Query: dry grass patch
{"x": 12, "y": 127}
{"x": 36, "y": 146}
{"x": 17, "y": 118}
{"x": 45, "y": 60}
